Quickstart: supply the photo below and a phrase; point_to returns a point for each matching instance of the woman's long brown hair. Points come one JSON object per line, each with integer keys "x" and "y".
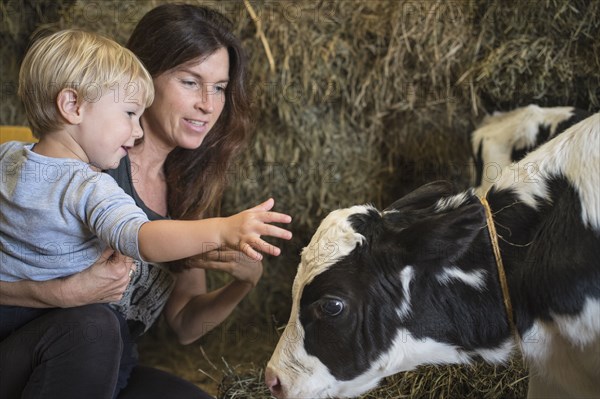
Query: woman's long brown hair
{"x": 171, "y": 35}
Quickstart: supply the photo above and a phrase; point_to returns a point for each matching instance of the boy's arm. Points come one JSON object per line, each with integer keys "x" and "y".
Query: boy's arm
{"x": 168, "y": 240}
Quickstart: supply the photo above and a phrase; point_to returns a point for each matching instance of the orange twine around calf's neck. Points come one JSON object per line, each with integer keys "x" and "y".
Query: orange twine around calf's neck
{"x": 500, "y": 267}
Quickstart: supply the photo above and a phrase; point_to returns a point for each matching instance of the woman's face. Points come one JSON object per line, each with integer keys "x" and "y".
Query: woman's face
{"x": 188, "y": 101}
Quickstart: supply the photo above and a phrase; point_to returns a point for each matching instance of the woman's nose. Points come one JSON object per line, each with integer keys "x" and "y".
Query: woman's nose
{"x": 207, "y": 98}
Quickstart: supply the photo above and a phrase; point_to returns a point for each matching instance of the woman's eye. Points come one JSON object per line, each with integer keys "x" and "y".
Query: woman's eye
{"x": 214, "y": 89}
{"x": 131, "y": 114}
{"x": 190, "y": 83}
{"x": 332, "y": 307}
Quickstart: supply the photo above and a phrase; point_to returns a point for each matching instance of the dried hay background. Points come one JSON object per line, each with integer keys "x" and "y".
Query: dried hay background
{"x": 355, "y": 102}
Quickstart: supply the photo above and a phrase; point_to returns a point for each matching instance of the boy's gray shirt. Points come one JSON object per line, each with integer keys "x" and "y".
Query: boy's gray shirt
{"x": 58, "y": 215}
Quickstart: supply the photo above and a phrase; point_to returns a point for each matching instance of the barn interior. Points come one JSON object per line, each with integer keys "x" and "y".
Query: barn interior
{"x": 354, "y": 102}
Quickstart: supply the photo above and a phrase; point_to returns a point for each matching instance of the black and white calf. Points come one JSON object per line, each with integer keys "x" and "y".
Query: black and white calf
{"x": 506, "y": 137}
{"x": 377, "y": 293}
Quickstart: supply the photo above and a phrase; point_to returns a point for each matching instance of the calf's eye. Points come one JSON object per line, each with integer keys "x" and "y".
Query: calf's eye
{"x": 332, "y": 307}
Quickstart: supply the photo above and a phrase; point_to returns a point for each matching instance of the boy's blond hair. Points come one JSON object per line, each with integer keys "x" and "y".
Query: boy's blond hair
{"x": 75, "y": 59}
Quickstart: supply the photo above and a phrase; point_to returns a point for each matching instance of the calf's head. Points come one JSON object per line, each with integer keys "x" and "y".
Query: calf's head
{"x": 364, "y": 306}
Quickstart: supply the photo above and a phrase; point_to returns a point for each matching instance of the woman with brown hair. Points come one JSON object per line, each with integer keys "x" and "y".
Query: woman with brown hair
{"x": 198, "y": 123}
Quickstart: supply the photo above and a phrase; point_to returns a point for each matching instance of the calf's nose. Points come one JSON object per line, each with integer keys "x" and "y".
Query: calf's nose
{"x": 273, "y": 383}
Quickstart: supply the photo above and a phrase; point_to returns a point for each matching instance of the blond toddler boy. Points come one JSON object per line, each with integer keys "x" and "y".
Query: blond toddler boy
{"x": 84, "y": 95}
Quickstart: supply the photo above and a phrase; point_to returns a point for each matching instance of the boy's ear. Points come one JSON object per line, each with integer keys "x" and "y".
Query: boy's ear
{"x": 69, "y": 106}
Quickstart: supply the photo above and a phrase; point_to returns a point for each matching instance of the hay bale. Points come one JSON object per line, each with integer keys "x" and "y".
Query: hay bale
{"x": 360, "y": 101}
{"x": 20, "y": 18}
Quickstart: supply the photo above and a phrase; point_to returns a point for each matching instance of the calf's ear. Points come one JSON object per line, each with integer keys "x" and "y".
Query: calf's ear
{"x": 441, "y": 237}
{"x": 423, "y": 197}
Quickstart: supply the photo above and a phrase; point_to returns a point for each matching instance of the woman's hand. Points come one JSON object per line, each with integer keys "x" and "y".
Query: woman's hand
{"x": 235, "y": 263}
{"x": 105, "y": 281}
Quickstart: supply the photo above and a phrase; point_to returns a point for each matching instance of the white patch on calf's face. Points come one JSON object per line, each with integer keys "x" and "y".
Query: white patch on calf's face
{"x": 334, "y": 239}
{"x": 474, "y": 278}
{"x": 300, "y": 374}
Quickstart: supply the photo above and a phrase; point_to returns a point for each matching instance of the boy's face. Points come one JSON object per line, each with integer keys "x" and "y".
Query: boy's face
{"x": 111, "y": 123}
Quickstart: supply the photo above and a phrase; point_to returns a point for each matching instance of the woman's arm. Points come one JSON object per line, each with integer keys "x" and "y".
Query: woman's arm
{"x": 192, "y": 312}
{"x": 104, "y": 281}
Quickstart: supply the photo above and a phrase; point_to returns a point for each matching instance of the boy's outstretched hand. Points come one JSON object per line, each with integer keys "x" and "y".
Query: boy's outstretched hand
{"x": 244, "y": 230}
